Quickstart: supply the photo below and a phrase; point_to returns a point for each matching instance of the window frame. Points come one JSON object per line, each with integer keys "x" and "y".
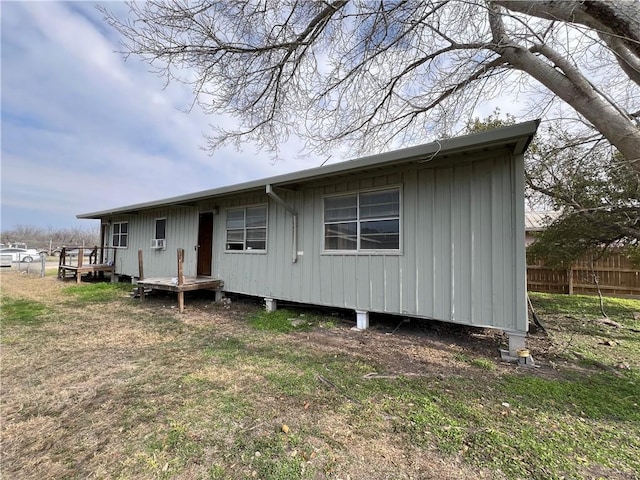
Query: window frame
{"x": 244, "y": 229}
{"x": 155, "y": 229}
{"x": 359, "y": 221}
{"x": 120, "y": 235}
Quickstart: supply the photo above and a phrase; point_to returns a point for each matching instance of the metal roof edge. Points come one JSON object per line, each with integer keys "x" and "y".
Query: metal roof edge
{"x": 491, "y": 138}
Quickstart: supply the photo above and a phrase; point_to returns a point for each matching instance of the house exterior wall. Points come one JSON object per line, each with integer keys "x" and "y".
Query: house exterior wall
{"x": 461, "y": 258}
{"x": 182, "y": 232}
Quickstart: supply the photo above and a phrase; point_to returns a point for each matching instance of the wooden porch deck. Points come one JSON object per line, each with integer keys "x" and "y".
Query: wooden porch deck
{"x": 78, "y": 267}
{"x": 78, "y": 271}
{"x": 170, "y": 284}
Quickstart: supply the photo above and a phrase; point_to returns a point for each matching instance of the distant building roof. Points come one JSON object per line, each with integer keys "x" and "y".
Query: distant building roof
{"x": 538, "y": 221}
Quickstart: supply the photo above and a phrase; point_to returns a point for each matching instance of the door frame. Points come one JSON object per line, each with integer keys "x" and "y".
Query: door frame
{"x": 204, "y": 260}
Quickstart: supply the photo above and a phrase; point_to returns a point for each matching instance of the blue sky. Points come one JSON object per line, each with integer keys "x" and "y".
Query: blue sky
{"x": 84, "y": 130}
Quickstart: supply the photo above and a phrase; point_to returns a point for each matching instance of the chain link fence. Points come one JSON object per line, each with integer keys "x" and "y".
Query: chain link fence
{"x": 35, "y": 266}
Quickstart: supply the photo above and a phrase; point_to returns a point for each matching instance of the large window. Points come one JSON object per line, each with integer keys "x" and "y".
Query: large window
{"x": 247, "y": 228}
{"x": 362, "y": 221}
{"x": 120, "y": 234}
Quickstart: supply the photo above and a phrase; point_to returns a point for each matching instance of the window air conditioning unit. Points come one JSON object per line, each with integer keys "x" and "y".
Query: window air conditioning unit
{"x": 158, "y": 243}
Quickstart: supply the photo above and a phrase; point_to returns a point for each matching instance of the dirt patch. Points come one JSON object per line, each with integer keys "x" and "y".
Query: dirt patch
{"x": 398, "y": 346}
{"x": 125, "y": 389}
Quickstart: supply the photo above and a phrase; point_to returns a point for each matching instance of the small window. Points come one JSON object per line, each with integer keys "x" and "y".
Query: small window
{"x": 161, "y": 229}
{"x": 120, "y": 234}
{"x": 362, "y": 222}
{"x": 247, "y": 229}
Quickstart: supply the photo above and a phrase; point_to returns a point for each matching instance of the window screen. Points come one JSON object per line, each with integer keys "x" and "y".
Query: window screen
{"x": 247, "y": 228}
{"x": 362, "y": 221}
{"x": 161, "y": 229}
{"x": 120, "y": 234}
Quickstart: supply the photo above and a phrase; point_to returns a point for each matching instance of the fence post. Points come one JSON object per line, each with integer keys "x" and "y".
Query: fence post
{"x": 43, "y": 264}
{"x": 570, "y": 278}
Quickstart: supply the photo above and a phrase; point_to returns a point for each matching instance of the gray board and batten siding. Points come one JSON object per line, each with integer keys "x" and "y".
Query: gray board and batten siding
{"x": 461, "y": 255}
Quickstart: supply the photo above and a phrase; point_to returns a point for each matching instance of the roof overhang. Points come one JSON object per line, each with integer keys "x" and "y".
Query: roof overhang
{"x": 514, "y": 137}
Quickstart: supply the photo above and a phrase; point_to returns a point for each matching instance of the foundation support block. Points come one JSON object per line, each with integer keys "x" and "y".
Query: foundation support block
{"x": 518, "y": 352}
{"x": 517, "y": 341}
{"x": 270, "y": 304}
{"x": 362, "y": 319}
{"x": 218, "y": 295}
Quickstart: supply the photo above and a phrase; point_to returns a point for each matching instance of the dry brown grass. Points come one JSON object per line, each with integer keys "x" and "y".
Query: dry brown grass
{"x": 121, "y": 389}
{"x": 87, "y": 393}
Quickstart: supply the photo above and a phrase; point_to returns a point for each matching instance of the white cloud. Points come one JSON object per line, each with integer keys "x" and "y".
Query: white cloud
{"x": 83, "y": 130}
{"x": 78, "y": 38}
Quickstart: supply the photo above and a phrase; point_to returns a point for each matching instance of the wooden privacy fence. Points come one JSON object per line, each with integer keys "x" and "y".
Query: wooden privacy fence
{"x": 616, "y": 275}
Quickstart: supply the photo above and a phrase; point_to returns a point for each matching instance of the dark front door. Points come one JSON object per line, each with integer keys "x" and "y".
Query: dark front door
{"x": 205, "y": 243}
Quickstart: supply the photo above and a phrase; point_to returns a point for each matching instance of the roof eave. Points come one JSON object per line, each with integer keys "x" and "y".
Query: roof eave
{"x": 518, "y": 135}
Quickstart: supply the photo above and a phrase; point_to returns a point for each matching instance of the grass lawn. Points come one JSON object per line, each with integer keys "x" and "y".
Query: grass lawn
{"x": 97, "y": 385}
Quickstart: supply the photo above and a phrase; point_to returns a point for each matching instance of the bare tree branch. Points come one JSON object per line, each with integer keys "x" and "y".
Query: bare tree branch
{"x": 367, "y": 74}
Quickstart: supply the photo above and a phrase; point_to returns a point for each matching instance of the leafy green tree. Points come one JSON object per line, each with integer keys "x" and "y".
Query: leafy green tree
{"x": 596, "y": 193}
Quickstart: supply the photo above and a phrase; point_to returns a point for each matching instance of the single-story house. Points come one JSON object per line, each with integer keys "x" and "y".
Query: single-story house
{"x": 432, "y": 231}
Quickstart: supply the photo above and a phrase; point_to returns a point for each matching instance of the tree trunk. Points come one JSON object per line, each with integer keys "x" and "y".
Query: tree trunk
{"x": 596, "y": 281}
{"x": 617, "y": 22}
{"x": 616, "y": 18}
{"x": 614, "y": 125}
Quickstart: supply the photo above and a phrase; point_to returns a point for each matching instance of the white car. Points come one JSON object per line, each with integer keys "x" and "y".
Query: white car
{"x": 27, "y": 255}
